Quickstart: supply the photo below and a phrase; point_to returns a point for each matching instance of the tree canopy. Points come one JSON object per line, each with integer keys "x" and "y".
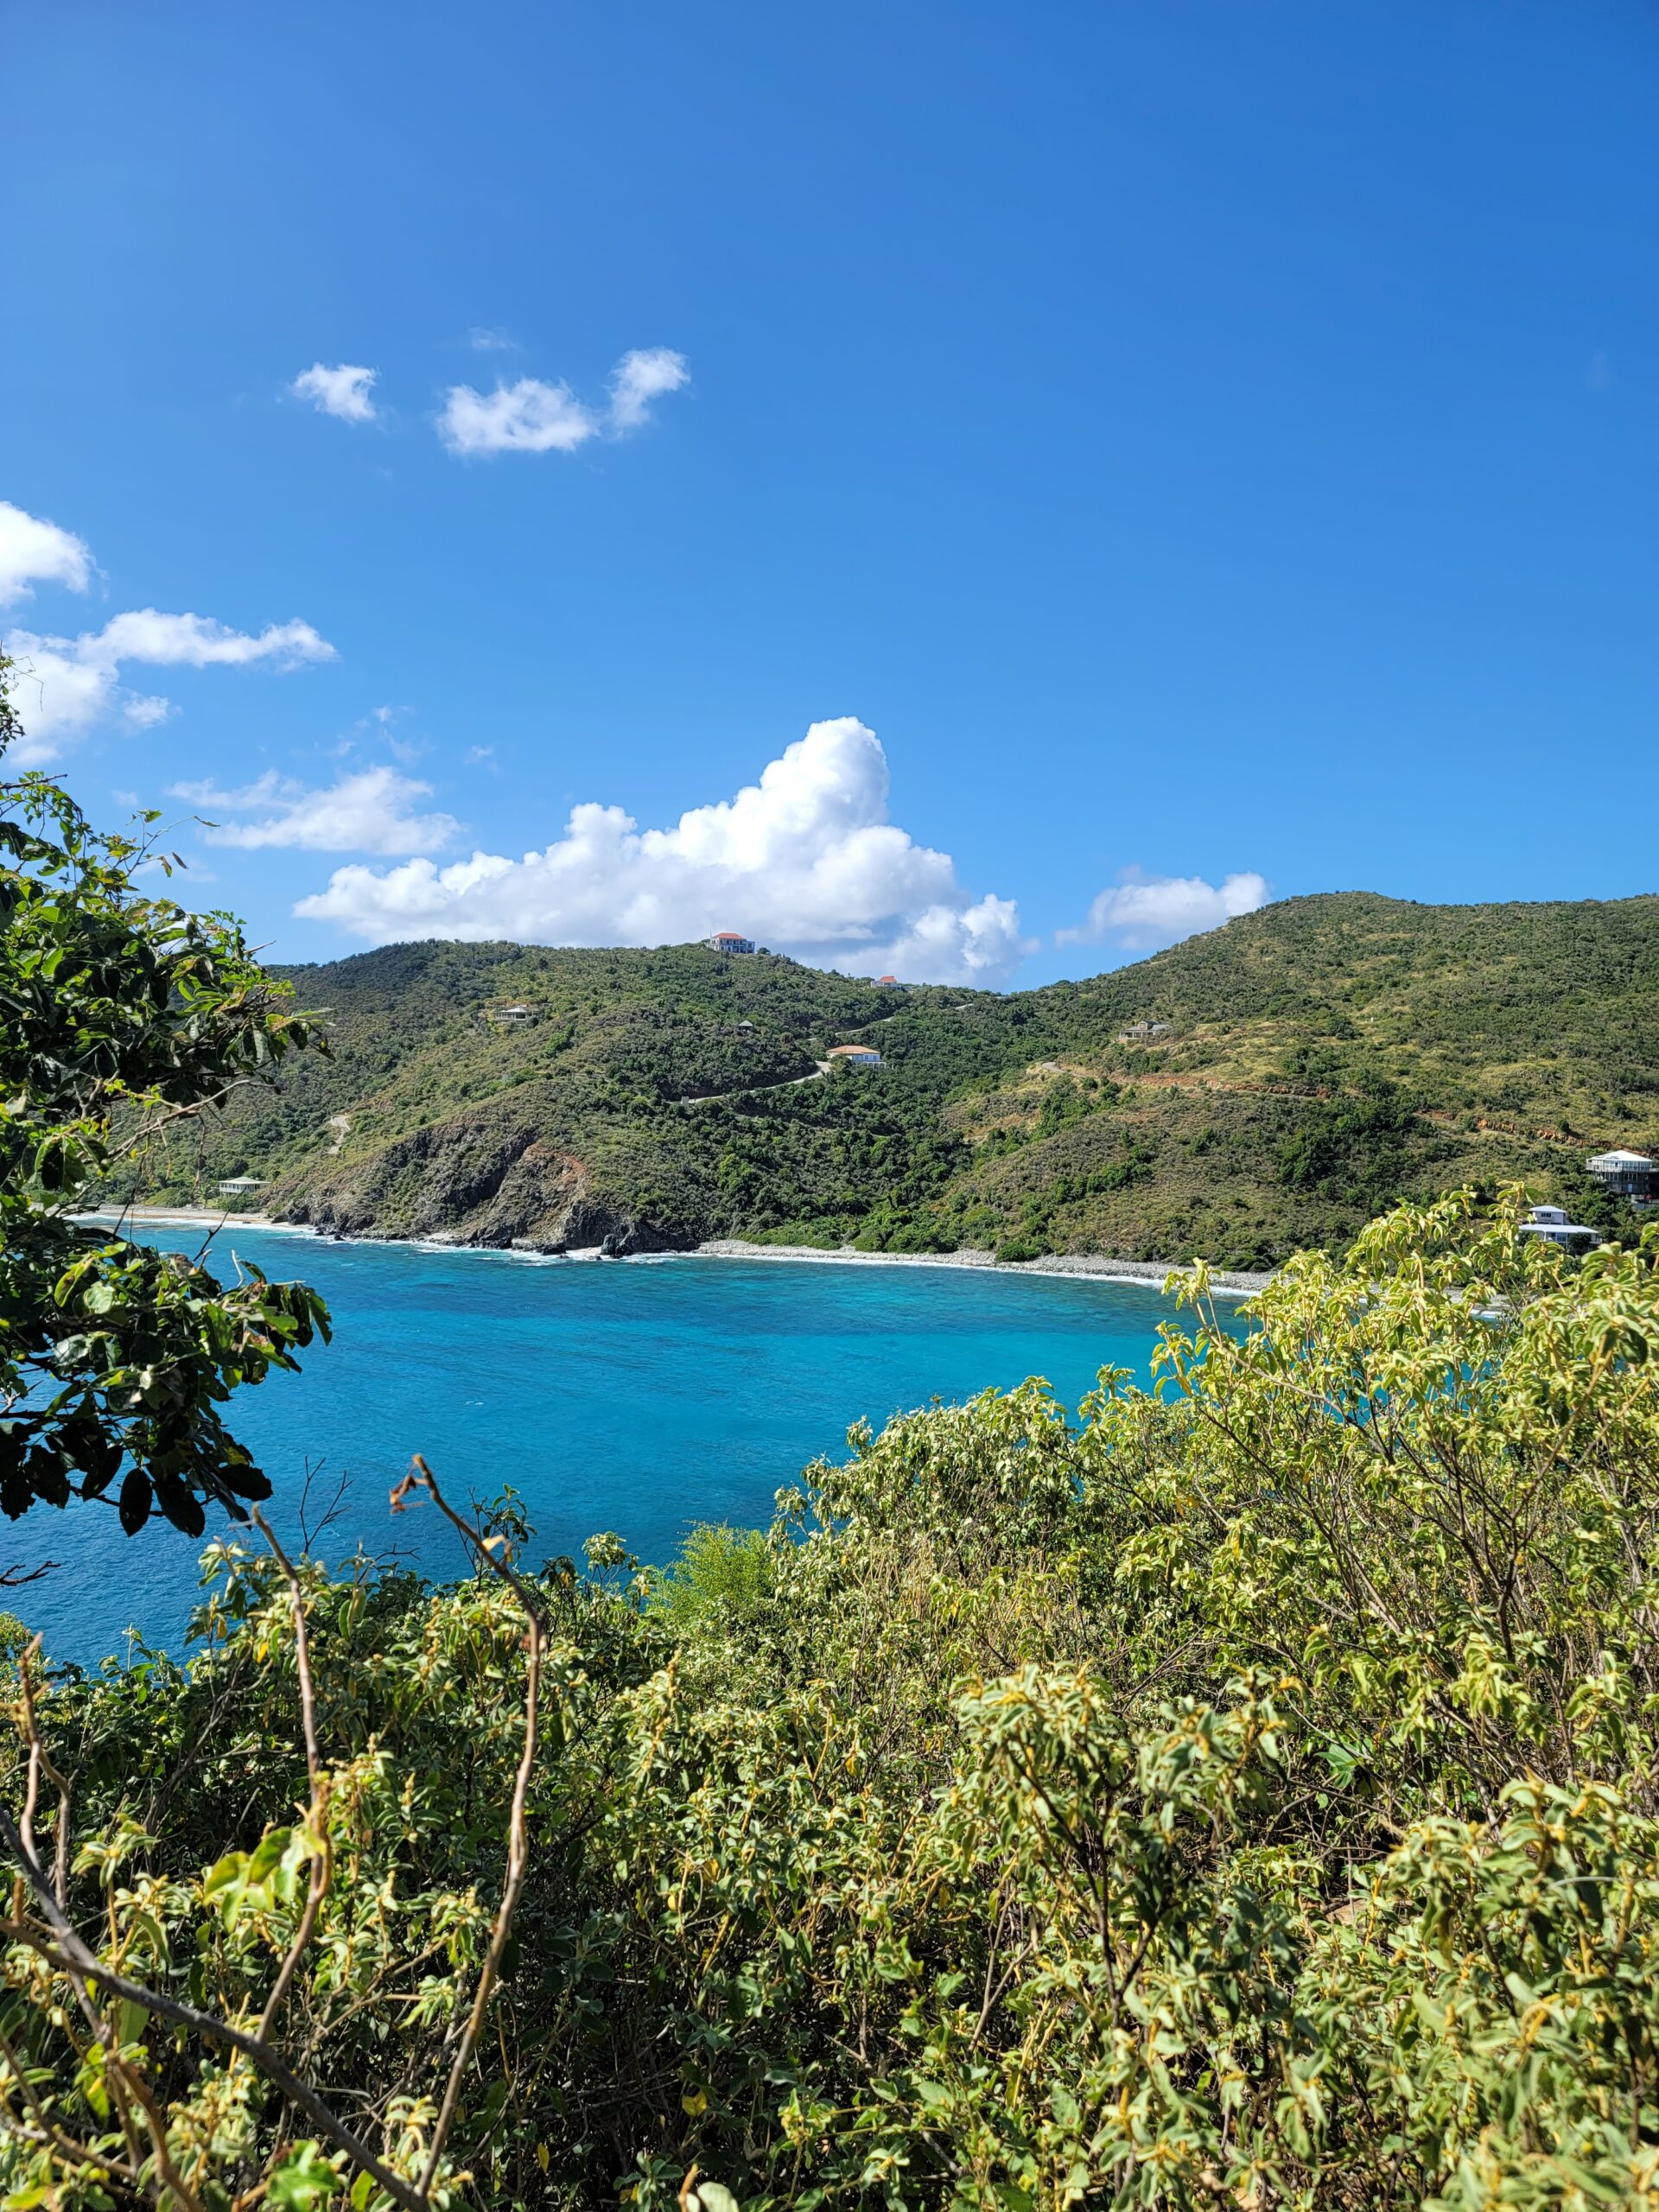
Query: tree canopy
{"x": 122, "y": 1016}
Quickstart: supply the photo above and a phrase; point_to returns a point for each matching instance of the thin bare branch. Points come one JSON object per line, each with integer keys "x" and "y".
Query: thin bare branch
{"x": 63, "y": 2144}
{"x": 40, "y": 1762}
{"x": 322, "y": 1864}
{"x": 518, "y": 1829}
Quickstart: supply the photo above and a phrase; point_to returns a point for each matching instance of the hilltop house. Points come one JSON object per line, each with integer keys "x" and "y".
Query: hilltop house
{"x": 856, "y": 1056}
{"x": 1628, "y": 1174}
{"x": 729, "y": 941}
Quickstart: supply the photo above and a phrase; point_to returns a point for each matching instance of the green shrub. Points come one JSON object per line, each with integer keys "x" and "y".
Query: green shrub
{"x": 719, "y": 1567}
{"x": 1245, "y": 1793}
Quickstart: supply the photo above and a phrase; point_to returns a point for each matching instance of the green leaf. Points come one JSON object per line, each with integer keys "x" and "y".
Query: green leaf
{"x": 305, "y": 2179}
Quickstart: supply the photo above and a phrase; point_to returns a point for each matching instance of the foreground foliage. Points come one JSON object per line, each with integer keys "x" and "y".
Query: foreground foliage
{"x": 1245, "y": 1796}
{"x": 122, "y": 1018}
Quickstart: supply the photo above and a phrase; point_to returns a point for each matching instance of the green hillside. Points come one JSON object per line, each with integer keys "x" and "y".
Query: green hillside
{"x": 1322, "y": 1057}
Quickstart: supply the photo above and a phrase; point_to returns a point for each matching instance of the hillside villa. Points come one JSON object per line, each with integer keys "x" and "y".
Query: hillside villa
{"x": 855, "y": 1056}
{"x": 1628, "y": 1174}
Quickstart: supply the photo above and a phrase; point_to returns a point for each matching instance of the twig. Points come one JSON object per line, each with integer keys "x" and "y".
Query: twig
{"x": 74, "y": 1959}
{"x": 40, "y": 1762}
{"x": 65, "y": 2146}
{"x": 13, "y": 1577}
{"x": 336, "y": 1505}
{"x": 322, "y": 1864}
{"x": 517, "y": 1833}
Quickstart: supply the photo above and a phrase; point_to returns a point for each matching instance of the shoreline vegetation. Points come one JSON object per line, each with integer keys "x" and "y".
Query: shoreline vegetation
{"x": 1144, "y": 1274}
{"x": 1265, "y": 1089}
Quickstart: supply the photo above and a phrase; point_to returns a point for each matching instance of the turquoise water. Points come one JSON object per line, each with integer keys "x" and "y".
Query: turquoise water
{"x": 641, "y": 1396}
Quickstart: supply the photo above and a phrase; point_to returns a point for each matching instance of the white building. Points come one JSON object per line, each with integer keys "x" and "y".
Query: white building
{"x": 856, "y": 1056}
{"x": 728, "y": 941}
{"x": 1552, "y": 1225}
{"x": 236, "y": 1185}
{"x": 1630, "y": 1175}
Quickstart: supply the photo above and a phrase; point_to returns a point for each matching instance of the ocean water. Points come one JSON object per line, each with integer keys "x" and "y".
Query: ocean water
{"x": 638, "y": 1396}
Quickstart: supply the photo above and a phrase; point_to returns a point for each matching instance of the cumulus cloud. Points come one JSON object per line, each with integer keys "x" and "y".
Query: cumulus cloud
{"x": 640, "y": 377}
{"x": 373, "y": 812}
{"x": 529, "y": 416}
{"x": 34, "y": 551}
{"x": 343, "y": 393}
{"x": 1146, "y": 912}
{"x": 805, "y": 861}
{"x": 532, "y": 417}
{"x": 65, "y": 685}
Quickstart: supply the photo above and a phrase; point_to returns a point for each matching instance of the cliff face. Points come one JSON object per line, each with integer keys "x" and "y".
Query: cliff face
{"x": 488, "y": 1180}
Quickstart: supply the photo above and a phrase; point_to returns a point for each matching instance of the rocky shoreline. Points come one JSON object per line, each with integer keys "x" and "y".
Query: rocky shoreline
{"x": 1151, "y": 1274}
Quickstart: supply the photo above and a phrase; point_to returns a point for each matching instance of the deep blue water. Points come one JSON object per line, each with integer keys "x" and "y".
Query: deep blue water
{"x": 638, "y": 1396}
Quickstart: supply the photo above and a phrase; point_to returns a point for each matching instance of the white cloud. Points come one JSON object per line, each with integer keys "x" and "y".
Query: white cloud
{"x": 65, "y": 685}
{"x": 529, "y": 416}
{"x": 1146, "y": 912}
{"x": 343, "y": 393}
{"x": 805, "y": 861}
{"x": 640, "y": 377}
{"x": 370, "y": 812}
{"x": 532, "y": 417}
{"x": 490, "y": 338}
{"x": 34, "y": 551}
{"x": 194, "y": 641}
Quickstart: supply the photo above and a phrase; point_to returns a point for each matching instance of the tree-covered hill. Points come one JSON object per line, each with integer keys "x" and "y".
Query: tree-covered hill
{"x": 1316, "y": 1060}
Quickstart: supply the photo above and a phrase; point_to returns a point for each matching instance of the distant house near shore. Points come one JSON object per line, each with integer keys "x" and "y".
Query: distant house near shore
{"x": 729, "y": 941}
{"x": 855, "y": 1056}
{"x": 238, "y": 1187}
{"x": 1627, "y": 1174}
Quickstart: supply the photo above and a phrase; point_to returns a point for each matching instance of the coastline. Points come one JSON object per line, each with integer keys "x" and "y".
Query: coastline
{"x": 1143, "y": 1274}
{"x": 1147, "y": 1274}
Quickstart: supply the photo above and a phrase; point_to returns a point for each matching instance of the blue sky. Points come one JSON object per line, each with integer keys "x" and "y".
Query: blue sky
{"x": 1210, "y": 447}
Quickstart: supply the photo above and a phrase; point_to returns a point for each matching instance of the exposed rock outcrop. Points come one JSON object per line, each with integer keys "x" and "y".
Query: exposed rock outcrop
{"x": 486, "y": 1179}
